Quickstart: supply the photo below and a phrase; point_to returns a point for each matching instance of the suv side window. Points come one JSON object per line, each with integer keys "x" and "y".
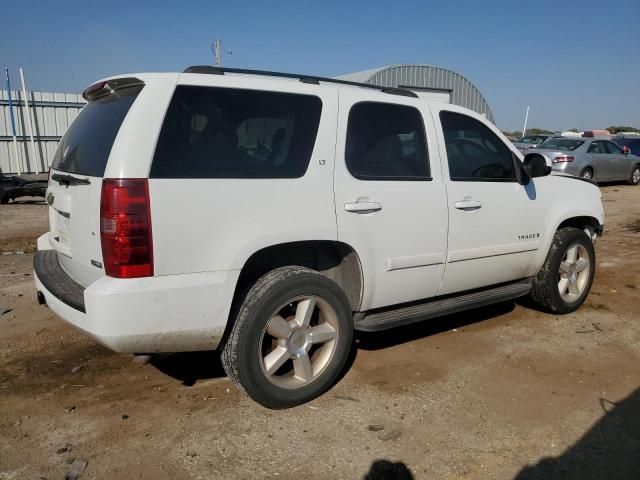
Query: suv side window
{"x": 386, "y": 142}
{"x": 211, "y": 132}
{"x": 613, "y": 148}
{"x": 474, "y": 152}
{"x": 596, "y": 148}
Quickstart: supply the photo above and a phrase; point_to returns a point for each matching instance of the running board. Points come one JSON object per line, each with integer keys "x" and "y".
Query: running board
{"x": 373, "y": 322}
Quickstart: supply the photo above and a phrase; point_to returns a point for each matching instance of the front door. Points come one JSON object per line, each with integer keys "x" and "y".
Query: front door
{"x": 620, "y": 165}
{"x": 390, "y": 199}
{"x": 494, "y": 229}
{"x": 601, "y": 160}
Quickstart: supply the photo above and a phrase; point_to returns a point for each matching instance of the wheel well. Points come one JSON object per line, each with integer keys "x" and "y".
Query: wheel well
{"x": 580, "y": 222}
{"x": 338, "y": 261}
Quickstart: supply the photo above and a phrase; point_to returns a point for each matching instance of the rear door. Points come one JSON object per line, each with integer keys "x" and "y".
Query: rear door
{"x": 390, "y": 199}
{"x": 494, "y": 229}
{"x": 75, "y": 183}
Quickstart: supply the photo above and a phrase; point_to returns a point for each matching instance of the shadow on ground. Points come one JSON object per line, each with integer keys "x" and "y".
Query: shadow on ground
{"x": 387, "y": 470}
{"x": 609, "y": 450}
{"x": 190, "y": 367}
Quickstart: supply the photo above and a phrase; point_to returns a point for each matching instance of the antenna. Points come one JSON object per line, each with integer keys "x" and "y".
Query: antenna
{"x": 216, "y": 48}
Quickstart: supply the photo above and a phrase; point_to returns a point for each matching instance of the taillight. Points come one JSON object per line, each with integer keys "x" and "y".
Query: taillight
{"x": 125, "y": 228}
{"x": 563, "y": 158}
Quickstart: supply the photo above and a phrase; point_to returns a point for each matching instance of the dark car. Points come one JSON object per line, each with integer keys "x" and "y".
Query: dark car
{"x": 12, "y": 187}
{"x": 632, "y": 142}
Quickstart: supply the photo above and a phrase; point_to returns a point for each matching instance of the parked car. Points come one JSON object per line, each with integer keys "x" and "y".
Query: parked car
{"x": 530, "y": 141}
{"x": 271, "y": 215}
{"x": 597, "y": 159}
{"x": 16, "y": 186}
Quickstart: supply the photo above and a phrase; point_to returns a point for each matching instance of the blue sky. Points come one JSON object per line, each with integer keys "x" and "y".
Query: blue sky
{"x": 576, "y": 63}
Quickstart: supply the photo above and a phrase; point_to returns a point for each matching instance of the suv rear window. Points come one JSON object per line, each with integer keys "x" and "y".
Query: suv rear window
{"x": 211, "y": 132}
{"x": 86, "y": 146}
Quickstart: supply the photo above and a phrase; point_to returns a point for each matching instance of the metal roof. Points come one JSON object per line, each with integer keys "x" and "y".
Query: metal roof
{"x": 463, "y": 92}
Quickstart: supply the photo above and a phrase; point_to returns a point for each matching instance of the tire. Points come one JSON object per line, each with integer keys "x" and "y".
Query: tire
{"x": 4, "y": 200}
{"x": 587, "y": 173}
{"x": 634, "y": 178}
{"x": 258, "y": 336}
{"x": 547, "y": 285}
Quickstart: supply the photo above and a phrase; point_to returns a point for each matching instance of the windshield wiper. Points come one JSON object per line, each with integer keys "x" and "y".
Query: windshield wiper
{"x": 69, "y": 180}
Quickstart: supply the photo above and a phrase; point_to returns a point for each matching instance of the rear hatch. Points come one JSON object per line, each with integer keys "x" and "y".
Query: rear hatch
{"x": 75, "y": 182}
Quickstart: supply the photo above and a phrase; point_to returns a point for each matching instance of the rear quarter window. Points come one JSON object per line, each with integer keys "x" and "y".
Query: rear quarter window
{"x": 211, "y": 132}
{"x": 86, "y": 146}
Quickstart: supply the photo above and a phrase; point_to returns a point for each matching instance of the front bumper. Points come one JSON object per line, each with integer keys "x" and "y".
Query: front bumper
{"x": 171, "y": 313}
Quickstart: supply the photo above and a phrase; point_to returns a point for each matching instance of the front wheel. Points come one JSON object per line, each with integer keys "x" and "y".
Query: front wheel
{"x": 563, "y": 283}
{"x": 291, "y": 338}
{"x": 634, "y": 178}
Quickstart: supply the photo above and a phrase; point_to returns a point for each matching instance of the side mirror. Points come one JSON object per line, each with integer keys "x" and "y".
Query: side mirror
{"x": 535, "y": 165}
{"x": 626, "y": 150}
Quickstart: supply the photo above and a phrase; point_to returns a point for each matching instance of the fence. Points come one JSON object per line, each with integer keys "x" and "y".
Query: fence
{"x": 51, "y": 115}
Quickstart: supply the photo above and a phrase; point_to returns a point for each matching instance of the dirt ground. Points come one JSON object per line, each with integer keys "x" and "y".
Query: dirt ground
{"x": 497, "y": 393}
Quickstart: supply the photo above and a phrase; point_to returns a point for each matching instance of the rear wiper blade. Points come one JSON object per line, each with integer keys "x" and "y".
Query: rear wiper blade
{"x": 69, "y": 180}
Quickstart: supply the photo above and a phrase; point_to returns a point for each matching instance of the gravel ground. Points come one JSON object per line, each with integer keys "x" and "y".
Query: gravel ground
{"x": 503, "y": 392}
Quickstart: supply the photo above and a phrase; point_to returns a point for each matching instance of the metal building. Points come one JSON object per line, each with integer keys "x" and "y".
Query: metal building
{"x": 50, "y": 115}
{"x": 434, "y": 83}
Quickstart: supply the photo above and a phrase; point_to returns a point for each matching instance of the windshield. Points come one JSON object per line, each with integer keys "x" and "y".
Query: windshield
{"x": 86, "y": 146}
{"x": 562, "y": 144}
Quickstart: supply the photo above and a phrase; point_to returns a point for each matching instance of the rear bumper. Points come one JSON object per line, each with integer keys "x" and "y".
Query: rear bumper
{"x": 172, "y": 313}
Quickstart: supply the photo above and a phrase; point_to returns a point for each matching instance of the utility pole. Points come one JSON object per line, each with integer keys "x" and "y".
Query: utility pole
{"x": 526, "y": 117}
{"x": 36, "y": 161}
{"x": 217, "y": 52}
{"x": 13, "y": 125}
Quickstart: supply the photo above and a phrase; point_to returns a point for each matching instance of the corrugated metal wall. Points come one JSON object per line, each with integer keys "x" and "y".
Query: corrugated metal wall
{"x": 51, "y": 115}
{"x": 463, "y": 92}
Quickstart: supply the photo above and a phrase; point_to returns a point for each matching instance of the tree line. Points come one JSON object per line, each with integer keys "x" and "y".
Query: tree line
{"x": 541, "y": 131}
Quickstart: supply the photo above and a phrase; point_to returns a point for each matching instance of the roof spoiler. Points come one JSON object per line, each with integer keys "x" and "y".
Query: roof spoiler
{"x": 107, "y": 87}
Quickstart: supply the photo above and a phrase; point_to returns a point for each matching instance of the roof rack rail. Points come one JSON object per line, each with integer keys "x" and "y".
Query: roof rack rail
{"x": 303, "y": 78}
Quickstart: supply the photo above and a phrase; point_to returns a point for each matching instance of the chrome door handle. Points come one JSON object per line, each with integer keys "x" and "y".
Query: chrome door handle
{"x": 362, "y": 207}
{"x": 468, "y": 205}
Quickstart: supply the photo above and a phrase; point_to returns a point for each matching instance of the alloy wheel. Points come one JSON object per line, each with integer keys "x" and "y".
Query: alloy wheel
{"x": 573, "y": 275}
{"x": 298, "y": 342}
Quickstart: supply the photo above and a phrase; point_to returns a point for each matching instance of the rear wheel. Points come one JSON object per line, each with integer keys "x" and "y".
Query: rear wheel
{"x": 565, "y": 279}
{"x": 634, "y": 178}
{"x": 291, "y": 338}
{"x": 587, "y": 173}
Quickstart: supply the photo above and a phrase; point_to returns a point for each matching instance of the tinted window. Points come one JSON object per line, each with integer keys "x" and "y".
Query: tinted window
{"x": 474, "y": 152}
{"x": 613, "y": 148}
{"x": 596, "y": 148}
{"x": 562, "y": 144}
{"x": 231, "y": 133}
{"x": 86, "y": 146}
{"x": 386, "y": 142}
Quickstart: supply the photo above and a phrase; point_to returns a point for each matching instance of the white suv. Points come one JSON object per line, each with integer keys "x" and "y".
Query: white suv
{"x": 271, "y": 215}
